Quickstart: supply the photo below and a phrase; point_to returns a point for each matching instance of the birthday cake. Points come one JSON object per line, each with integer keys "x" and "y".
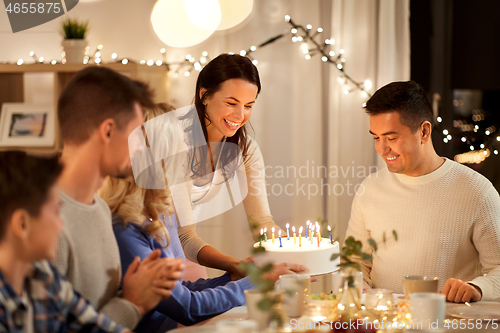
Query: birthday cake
{"x": 303, "y": 252}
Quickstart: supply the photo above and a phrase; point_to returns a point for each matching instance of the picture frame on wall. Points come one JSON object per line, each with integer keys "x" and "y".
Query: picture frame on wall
{"x": 27, "y": 125}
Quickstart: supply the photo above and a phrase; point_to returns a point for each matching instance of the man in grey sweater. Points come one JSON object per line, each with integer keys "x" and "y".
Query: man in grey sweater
{"x": 97, "y": 111}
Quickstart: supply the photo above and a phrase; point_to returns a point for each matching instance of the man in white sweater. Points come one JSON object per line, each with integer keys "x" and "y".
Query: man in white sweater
{"x": 97, "y": 111}
{"x": 447, "y": 216}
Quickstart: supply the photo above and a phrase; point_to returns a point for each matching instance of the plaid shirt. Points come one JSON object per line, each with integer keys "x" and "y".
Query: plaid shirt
{"x": 56, "y": 306}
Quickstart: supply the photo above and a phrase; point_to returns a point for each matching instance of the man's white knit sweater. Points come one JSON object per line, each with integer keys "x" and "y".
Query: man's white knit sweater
{"x": 448, "y": 225}
{"x": 88, "y": 255}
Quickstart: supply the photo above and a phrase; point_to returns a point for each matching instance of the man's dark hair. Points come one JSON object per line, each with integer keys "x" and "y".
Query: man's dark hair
{"x": 25, "y": 182}
{"x": 96, "y": 94}
{"x": 407, "y": 98}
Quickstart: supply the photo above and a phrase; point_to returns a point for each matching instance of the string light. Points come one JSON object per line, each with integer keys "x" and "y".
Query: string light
{"x": 300, "y": 33}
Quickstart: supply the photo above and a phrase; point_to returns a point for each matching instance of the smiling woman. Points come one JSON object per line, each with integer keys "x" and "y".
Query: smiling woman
{"x": 226, "y": 90}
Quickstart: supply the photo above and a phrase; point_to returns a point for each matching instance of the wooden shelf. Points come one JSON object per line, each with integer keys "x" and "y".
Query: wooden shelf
{"x": 12, "y": 86}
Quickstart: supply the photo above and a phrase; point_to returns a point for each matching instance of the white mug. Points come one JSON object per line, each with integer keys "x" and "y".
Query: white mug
{"x": 427, "y": 310}
{"x": 298, "y": 287}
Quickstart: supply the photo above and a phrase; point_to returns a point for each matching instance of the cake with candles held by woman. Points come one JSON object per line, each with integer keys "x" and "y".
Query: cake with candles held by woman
{"x": 303, "y": 247}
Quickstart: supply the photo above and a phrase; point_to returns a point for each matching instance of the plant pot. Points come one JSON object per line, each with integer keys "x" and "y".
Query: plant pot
{"x": 271, "y": 320}
{"x": 74, "y": 50}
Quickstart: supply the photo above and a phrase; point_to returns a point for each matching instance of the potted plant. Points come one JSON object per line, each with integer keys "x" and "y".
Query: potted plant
{"x": 74, "y": 31}
{"x": 349, "y": 306}
{"x": 264, "y": 303}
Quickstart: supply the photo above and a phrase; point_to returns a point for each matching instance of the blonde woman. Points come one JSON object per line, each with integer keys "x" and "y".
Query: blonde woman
{"x": 143, "y": 221}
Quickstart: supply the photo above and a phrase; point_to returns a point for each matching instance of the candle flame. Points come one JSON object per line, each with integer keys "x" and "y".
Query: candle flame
{"x": 317, "y": 228}
{"x": 293, "y": 229}
{"x": 287, "y": 225}
{"x": 300, "y": 230}
{"x": 329, "y": 229}
{"x": 279, "y": 233}
{"x": 272, "y": 229}
{"x": 261, "y": 231}
{"x": 307, "y": 223}
{"x": 265, "y": 229}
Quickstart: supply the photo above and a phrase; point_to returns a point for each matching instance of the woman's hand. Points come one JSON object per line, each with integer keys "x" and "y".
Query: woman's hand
{"x": 283, "y": 269}
{"x": 236, "y": 273}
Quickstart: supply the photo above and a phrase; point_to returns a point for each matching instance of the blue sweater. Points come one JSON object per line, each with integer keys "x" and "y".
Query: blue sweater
{"x": 191, "y": 302}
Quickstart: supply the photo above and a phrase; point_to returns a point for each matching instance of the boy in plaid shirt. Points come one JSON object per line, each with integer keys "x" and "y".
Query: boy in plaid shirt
{"x": 34, "y": 296}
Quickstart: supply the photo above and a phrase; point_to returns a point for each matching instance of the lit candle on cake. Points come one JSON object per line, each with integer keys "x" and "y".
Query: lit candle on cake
{"x": 318, "y": 230}
{"x": 261, "y": 233}
{"x": 272, "y": 230}
{"x": 265, "y": 235}
{"x": 287, "y": 234}
{"x": 300, "y": 236}
{"x": 307, "y": 228}
{"x": 279, "y": 236}
{"x": 294, "y": 240}
{"x": 317, "y": 233}
{"x": 331, "y": 238}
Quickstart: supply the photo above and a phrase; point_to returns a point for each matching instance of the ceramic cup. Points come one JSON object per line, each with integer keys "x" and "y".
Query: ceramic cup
{"x": 427, "y": 309}
{"x": 419, "y": 283}
{"x": 253, "y": 297}
{"x": 236, "y": 326}
{"x": 297, "y": 287}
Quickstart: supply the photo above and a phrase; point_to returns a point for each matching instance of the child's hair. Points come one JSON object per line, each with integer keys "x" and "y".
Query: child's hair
{"x": 25, "y": 182}
{"x": 135, "y": 204}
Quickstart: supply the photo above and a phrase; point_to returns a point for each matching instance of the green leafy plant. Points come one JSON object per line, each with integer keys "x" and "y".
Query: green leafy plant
{"x": 74, "y": 29}
{"x": 257, "y": 277}
{"x": 352, "y": 250}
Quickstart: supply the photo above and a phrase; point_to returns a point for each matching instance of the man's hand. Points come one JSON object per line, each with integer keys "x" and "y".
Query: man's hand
{"x": 283, "y": 269}
{"x": 146, "y": 283}
{"x": 458, "y": 291}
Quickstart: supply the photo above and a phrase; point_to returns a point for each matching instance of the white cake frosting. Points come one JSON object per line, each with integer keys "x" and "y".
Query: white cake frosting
{"x": 316, "y": 259}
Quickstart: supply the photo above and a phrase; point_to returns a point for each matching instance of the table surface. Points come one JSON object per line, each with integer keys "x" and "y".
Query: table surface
{"x": 240, "y": 313}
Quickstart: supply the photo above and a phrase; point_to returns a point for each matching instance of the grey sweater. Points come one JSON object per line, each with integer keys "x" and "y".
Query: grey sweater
{"x": 89, "y": 257}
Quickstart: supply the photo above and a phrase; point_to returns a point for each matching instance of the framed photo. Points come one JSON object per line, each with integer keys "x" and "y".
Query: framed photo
{"x": 27, "y": 125}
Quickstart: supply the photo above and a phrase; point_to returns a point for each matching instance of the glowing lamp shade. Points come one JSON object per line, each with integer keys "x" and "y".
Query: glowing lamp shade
{"x": 234, "y": 12}
{"x": 205, "y": 14}
{"x": 173, "y": 25}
